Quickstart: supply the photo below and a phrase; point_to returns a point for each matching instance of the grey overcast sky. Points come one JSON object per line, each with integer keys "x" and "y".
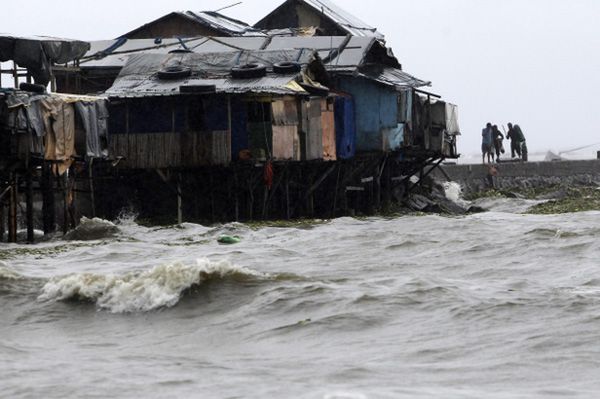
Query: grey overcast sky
{"x": 534, "y": 62}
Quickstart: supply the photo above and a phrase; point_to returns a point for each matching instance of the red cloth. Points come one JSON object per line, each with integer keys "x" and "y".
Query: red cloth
{"x": 268, "y": 175}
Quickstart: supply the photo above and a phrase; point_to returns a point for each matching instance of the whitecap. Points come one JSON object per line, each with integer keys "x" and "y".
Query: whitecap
{"x": 7, "y": 273}
{"x": 92, "y": 229}
{"x": 160, "y": 287}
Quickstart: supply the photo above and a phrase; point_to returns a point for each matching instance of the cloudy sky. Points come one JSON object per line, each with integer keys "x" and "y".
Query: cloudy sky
{"x": 534, "y": 62}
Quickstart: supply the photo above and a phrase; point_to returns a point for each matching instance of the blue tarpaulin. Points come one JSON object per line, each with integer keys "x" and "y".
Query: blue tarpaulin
{"x": 376, "y": 111}
{"x": 345, "y": 127}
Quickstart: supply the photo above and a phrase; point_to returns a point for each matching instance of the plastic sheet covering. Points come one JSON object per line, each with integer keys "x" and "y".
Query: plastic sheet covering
{"x": 94, "y": 116}
{"x": 394, "y": 137}
{"x": 139, "y": 76}
{"x": 392, "y": 77}
{"x": 345, "y": 127}
{"x": 452, "y": 126}
{"x": 37, "y": 54}
{"x": 59, "y": 121}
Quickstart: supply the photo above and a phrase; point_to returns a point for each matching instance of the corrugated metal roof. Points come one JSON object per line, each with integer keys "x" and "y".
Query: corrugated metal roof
{"x": 222, "y": 23}
{"x": 139, "y": 77}
{"x": 345, "y": 20}
{"x": 391, "y": 77}
{"x": 351, "y": 56}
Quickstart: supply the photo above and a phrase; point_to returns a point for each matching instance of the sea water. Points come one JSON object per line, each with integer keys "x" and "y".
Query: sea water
{"x": 493, "y": 305}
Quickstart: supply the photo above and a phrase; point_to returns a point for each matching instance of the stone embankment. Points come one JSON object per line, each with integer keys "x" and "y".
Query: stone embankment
{"x": 521, "y": 176}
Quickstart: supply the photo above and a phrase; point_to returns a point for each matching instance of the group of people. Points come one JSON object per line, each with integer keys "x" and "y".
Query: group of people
{"x": 492, "y": 144}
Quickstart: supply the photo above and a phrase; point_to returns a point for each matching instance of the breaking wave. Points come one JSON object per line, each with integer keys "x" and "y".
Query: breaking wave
{"x": 92, "y": 229}
{"x": 454, "y": 193}
{"x": 6, "y": 273}
{"x": 160, "y": 287}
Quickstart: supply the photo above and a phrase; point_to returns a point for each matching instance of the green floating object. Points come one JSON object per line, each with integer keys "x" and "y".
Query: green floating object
{"x": 229, "y": 239}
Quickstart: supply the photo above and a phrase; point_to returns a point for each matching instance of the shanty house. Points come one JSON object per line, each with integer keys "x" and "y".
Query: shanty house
{"x": 184, "y": 109}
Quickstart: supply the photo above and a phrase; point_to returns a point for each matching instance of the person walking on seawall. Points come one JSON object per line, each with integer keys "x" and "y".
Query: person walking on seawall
{"x": 521, "y": 143}
{"x": 498, "y": 137}
{"x": 487, "y": 143}
{"x": 515, "y": 149}
{"x": 517, "y": 141}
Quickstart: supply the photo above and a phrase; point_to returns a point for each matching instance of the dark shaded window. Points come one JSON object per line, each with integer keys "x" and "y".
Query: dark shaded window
{"x": 259, "y": 112}
{"x": 117, "y": 121}
{"x": 195, "y": 113}
{"x": 151, "y": 116}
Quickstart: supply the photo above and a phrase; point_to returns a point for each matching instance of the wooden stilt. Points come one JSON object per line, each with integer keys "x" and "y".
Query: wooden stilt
{"x": 65, "y": 191}
{"x": 237, "y": 198}
{"x": 12, "y": 210}
{"x": 179, "y": 200}
{"x": 1, "y": 221}
{"x": 29, "y": 200}
{"x": 335, "y": 192}
{"x": 91, "y": 186}
{"x": 48, "y": 212}
{"x": 250, "y": 199}
{"x": 287, "y": 198}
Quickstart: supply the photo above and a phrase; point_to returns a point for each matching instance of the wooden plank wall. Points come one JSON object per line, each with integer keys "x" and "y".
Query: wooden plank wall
{"x": 328, "y": 126}
{"x": 286, "y": 137}
{"x": 311, "y": 127}
{"x": 172, "y": 150}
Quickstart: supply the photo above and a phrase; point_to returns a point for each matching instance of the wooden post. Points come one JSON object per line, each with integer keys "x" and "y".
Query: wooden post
{"x": 1, "y": 221}
{"x": 64, "y": 181}
{"x": 12, "y": 210}
{"x": 91, "y": 186}
{"x": 15, "y": 75}
{"x": 287, "y": 198}
{"x": 235, "y": 189}
{"x": 251, "y": 198}
{"x": 47, "y": 186}
{"x": 335, "y": 192}
{"x": 179, "y": 200}
{"x": 29, "y": 198}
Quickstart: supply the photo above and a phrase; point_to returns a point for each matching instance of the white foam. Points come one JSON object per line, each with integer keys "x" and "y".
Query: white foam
{"x": 345, "y": 395}
{"x": 159, "y": 287}
{"x": 455, "y": 194}
{"x": 92, "y": 229}
{"x": 6, "y": 273}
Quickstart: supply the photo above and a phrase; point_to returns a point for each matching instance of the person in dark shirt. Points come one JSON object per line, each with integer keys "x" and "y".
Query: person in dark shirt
{"x": 498, "y": 138}
{"x": 517, "y": 139}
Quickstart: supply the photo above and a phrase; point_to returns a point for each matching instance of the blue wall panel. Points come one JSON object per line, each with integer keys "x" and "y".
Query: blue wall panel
{"x": 239, "y": 127}
{"x": 345, "y": 127}
{"x": 376, "y": 110}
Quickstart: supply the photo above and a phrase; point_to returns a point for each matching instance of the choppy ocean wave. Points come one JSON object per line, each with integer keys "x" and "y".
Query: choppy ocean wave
{"x": 7, "y": 273}
{"x": 92, "y": 229}
{"x": 159, "y": 287}
{"x": 494, "y": 305}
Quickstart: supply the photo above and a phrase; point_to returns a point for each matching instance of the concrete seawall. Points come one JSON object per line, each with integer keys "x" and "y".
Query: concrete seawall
{"x": 510, "y": 175}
